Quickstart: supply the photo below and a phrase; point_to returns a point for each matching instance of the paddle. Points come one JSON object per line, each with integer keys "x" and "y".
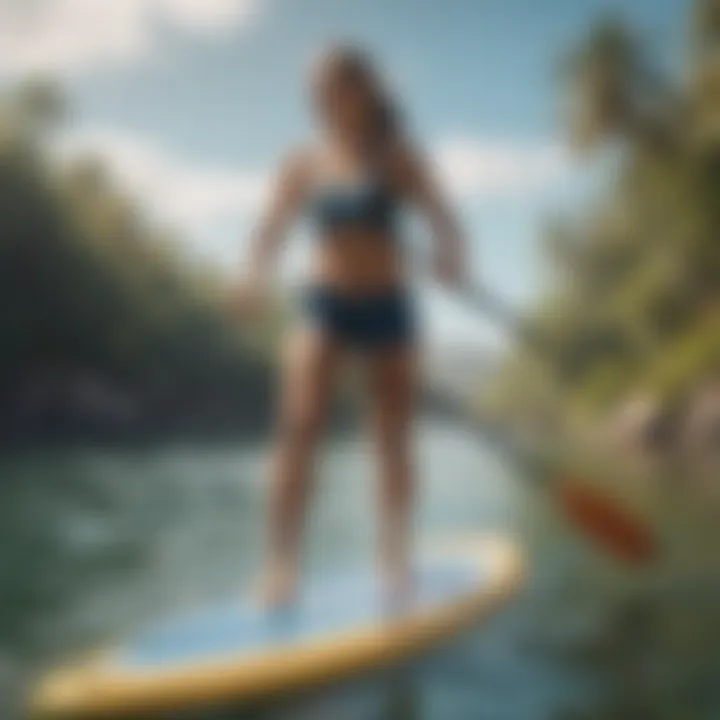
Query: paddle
{"x": 615, "y": 529}
{"x": 594, "y": 513}
{"x": 480, "y": 299}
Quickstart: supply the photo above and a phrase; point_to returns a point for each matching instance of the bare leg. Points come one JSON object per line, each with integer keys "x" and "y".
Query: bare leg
{"x": 393, "y": 383}
{"x": 311, "y": 363}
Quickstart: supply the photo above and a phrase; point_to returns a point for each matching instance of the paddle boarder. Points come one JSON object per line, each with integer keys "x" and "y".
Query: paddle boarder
{"x": 352, "y": 183}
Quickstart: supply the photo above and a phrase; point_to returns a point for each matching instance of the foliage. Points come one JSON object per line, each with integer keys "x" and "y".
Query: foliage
{"x": 636, "y": 279}
{"x": 104, "y": 321}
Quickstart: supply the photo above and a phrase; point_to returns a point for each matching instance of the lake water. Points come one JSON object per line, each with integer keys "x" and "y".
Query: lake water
{"x": 96, "y": 542}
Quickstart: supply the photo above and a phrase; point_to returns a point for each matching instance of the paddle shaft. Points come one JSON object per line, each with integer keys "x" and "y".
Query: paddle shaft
{"x": 491, "y": 306}
{"x": 594, "y": 513}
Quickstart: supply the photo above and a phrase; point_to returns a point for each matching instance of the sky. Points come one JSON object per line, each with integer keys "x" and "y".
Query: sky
{"x": 194, "y": 102}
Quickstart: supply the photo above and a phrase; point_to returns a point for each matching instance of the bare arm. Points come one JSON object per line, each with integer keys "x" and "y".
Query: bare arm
{"x": 285, "y": 201}
{"x": 420, "y": 186}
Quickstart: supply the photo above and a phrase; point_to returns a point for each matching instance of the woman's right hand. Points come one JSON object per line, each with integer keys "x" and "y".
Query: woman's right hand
{"x": 249, "y": 297}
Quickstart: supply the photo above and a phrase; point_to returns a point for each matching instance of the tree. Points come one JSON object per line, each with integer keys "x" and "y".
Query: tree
{"x": 99, "y": 295}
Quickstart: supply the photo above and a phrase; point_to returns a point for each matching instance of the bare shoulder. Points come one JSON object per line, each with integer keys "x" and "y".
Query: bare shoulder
{"x": 403, "y": 157}
{"x": 407, "y": 165}
{"x": 297, "y": 163}
{"x": 296, "y": 170}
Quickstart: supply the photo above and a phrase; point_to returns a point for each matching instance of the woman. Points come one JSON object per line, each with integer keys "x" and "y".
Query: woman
{"x": 352, "y": 185}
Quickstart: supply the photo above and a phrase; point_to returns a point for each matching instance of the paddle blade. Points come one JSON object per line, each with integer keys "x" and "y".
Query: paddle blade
{"x": 610, "y": 526}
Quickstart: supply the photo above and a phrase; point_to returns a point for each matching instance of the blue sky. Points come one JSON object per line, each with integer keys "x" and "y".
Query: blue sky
{"x": 194, "y": 101}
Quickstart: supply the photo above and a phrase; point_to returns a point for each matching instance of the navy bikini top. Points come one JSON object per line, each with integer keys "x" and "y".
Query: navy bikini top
{"x": 366, "y": 204}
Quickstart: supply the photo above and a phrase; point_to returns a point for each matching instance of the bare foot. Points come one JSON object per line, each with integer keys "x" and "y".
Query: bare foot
{"x": 278, "y": 586}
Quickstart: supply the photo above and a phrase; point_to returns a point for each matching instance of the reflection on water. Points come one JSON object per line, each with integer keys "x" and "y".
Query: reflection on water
{"x": 95, "y": 543}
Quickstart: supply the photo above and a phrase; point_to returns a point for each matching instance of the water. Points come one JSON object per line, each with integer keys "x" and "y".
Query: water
{"x": 97, "y": 542}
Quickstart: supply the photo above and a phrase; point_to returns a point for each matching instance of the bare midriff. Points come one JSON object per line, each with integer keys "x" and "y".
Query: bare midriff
{"x": 358, "y": 262}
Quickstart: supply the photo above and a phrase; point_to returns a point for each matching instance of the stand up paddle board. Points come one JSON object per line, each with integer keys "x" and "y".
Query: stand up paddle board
{"x": 238, "y": 653}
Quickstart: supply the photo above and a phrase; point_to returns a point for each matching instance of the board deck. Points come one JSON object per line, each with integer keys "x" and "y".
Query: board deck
{"x": 235, "y": 651}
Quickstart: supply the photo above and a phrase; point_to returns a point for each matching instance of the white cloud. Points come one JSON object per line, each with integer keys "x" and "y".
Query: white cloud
{"x": 61, "y": 36}
{"x": 476, "y": 168}
{"x": 207, "y": 15}
{"x": 192, "y": 197}
{"x": 213, "y": 203}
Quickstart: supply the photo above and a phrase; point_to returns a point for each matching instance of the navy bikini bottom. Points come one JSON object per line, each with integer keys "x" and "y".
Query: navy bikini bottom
{"x": 363, "y": 323}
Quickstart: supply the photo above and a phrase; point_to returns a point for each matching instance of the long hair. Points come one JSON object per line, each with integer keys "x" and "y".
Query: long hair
{"x": 350, "y": 62}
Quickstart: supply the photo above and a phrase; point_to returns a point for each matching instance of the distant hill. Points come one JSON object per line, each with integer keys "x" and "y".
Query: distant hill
{"x": 107, "y": 330}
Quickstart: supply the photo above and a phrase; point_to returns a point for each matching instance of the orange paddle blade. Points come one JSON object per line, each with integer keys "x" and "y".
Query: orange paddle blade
{"x": 609, "y": 525}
